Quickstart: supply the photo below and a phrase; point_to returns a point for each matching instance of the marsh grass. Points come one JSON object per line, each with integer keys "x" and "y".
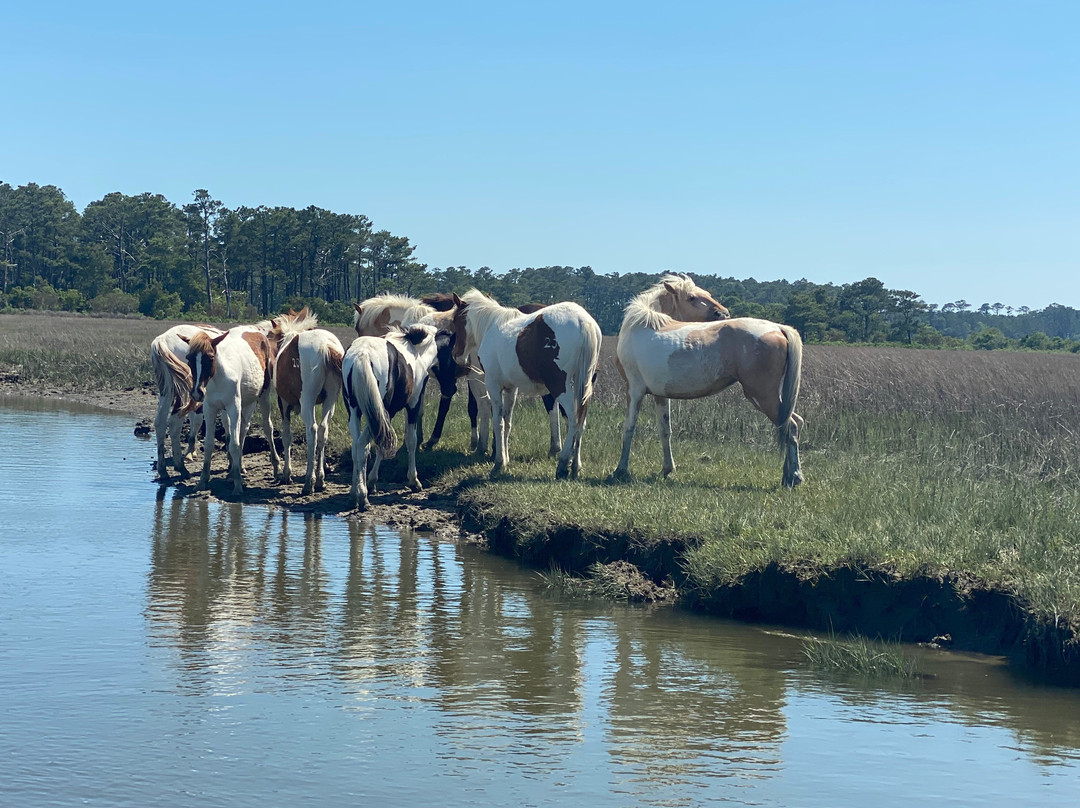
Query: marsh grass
{"x": 917, "y": 462}
{"x": 859, "y": 656}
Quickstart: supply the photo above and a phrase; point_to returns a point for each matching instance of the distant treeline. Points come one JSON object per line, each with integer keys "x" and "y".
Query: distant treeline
{"x": 145, "y": 254}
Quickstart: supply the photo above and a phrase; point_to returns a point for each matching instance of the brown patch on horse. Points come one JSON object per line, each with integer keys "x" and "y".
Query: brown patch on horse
{"x": 399, "y": 382}
{"x": 439, "y": 301}
{"x": 530, "y": 308}
{"x": 260, "y": 346}
{"x": 381, "y": 325}
{"x": 287, "y": 377}
{"x": 334, "y": 358}
{"x": 458, "y": 329}
{"x": 537, "y": 349}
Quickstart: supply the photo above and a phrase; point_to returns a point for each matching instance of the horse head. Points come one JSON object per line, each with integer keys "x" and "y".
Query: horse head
{"x": 684, "y": 300}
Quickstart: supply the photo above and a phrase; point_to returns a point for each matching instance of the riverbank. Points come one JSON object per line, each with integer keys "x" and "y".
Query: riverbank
{"x": 941, "y": 505}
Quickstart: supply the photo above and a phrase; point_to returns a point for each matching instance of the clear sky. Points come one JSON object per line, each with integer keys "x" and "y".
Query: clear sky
{"x": 933, "y": 144}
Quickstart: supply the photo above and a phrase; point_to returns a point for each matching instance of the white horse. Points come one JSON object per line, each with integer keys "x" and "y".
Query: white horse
{"x": 307, "y": 372}
{"x": 468, "y": 333}
{"x": 168, "y": 358}
{"x": 554, "y": 350}
{"x": 383, "y": 375}
{"x": 676, "y": 341}
{"x": 231, "y": 374}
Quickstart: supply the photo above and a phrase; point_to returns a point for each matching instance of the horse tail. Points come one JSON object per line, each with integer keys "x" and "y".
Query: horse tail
{"x": 789, "y": 386}
{"x": 587, "y": 360}
{"x": 173, "y": 377}
{"x": 369, "y": 401}
{"x": 332, "y": 360}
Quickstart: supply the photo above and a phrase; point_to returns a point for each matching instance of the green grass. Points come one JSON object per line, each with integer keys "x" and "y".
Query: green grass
{"x": 916, "y": 462}
{"x": 859, "y": 656}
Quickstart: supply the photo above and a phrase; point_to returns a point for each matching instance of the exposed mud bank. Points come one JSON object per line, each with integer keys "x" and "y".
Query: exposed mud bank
{"x": 953, "y": 610}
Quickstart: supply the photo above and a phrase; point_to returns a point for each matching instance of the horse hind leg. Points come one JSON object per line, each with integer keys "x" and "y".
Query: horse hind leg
{"x": 555, "y": 447}
{"x": 792, "y": 474}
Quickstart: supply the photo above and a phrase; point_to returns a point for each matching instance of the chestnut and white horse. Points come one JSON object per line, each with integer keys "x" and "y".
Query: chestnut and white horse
{"x": 231, "y": 373}
{"x": 676, "y": 341}
{"x": 377, "y": 316}
{"x": 382, "y": 376}
{"x": 479, "y": 405}
{"x": 168, "y": 358}
{"x": 554, "y": 350}
{"x": 307, "y": 372}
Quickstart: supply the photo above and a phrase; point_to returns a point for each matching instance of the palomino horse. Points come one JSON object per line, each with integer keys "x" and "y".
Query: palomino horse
{"x": 479, "y": 407}
{"x": 307, "y": 372}
{"x": 231, "y": 373}
{"x": 671, "y": 346}
{"x": 555, "y": 350}
{"x": 382, "y": 376}
{"x": 168, "y": 358}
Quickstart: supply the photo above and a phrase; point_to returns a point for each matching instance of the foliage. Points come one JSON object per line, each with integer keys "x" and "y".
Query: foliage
{"x": 209, "y": 261}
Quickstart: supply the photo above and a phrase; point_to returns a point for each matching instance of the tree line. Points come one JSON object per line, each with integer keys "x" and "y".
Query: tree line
{"x": 200, "y": 260}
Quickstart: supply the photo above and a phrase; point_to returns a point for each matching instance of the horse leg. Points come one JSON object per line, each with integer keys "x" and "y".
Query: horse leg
{"x": 240, "y": 423}
{"x": 321, "y": 436}
{"x": 792, "y": 474}
{"x": 162, "y": 424}
{"x": 474, "y": 435}
{"x": 485, "y": 414}
{"x": 311, "y": 430}
{"x": 440, "y": 419}
{"x": 286, "y": 441}
{"x": 497, "y": 415}
{"x": 373, "y": 475}
{"x": 553, "y": 422}
{"x": 209, "y": 416}
{"x": 412, "y": 429}
{"x": 268, "y": 430}
{"x": 361, "y": 437}
{"x": 663, "y": 421}
{"x": 633, "y": 407}
{"x": 195, "y": 423}
{"x": 573, "y": 439}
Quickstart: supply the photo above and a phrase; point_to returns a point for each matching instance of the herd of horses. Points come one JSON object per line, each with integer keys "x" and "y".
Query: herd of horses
{"x": 676, "y": 341}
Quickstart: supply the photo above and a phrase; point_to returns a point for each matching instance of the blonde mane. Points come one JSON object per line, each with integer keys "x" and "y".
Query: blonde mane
{"x": 408, "y": 309}
{"x": 647, "y": 309}
{"x": 483, "y": 312}
{"x": 293, "y": 323}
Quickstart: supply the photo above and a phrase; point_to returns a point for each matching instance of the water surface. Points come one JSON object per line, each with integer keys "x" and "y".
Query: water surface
{"x": 158, "y": 650}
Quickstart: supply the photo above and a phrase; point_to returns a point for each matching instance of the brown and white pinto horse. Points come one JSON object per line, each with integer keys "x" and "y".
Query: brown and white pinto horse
{"x": 307, "y": 372}
{"x": 479, "y": 406}
{"x": 383, "y": 375}
{"x": 168, "y": 358}
{"x": 231, "y": 374}
{"x": 378, "y": 316}
{"x": 554, "y": 350}
{"x": 676, "y": 342}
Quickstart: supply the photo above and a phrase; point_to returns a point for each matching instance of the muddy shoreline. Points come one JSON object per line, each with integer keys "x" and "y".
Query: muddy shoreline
{"x": 946, "y": 610}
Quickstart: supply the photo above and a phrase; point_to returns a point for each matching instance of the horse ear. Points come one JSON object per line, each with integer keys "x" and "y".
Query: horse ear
{"x": 457, "y": 300}
{"x": 218, "y": 339}
{"x": 670, "y": 288}
{"x": 185, "y": 339}
{"x": 303, "y": 313}
{"x": 357, "y": 307}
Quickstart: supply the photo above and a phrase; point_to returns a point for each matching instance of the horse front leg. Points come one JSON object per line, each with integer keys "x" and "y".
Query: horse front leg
{"x": 663, "y": 423}
{"x": 239, "y": 423}
{"x": 163, "y": 424}
{"x": 412, "y": 429}
{"x": 499, "y": 448}
{"x": 633, "y": 407}
{"x": 484, "y": 412}
{"x": 196, "y": 420}
{"x": 209, "y": 417}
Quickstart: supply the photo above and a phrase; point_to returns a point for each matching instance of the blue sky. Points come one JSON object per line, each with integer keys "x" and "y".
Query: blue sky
{"x": 934, "y": 145}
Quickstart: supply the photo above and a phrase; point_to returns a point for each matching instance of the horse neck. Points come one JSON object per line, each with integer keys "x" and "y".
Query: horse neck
{"x": 647, "y": 310}
{"x": 482, "y": 315}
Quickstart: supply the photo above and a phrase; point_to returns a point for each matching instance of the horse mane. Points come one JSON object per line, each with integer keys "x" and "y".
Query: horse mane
{"x": 483, "y": 313}
{"x": 414, "y": 335}
{"x": 370, "y": 309}
{"x": 646, "y": 310}
{"x": 294, "y": 323}
{"x": 201, "y": 343}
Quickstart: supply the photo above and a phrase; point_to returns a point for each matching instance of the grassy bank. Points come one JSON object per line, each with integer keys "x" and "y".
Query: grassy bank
{"x": 951, "y": 478}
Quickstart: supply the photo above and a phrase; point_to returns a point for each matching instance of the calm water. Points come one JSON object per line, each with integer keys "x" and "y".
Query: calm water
{"x": 161, "y": 651}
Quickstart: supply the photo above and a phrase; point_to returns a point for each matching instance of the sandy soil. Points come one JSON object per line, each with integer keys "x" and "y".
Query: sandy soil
{"x": 394, "y": 505}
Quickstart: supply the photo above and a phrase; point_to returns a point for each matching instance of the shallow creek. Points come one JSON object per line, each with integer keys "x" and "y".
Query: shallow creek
{"x": 162, "y": 650}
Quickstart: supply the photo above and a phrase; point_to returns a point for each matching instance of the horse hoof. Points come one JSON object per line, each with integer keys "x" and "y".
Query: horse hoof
{"x": 553, "y": 451}
{"x": 416, "y": 488}
{"x": 361, "y": 504}
{"x": 619, "y": 476}
{"x": 562, "y": 473}
{"x": 306, "y": 491}
{"x": 319, "y": 485}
